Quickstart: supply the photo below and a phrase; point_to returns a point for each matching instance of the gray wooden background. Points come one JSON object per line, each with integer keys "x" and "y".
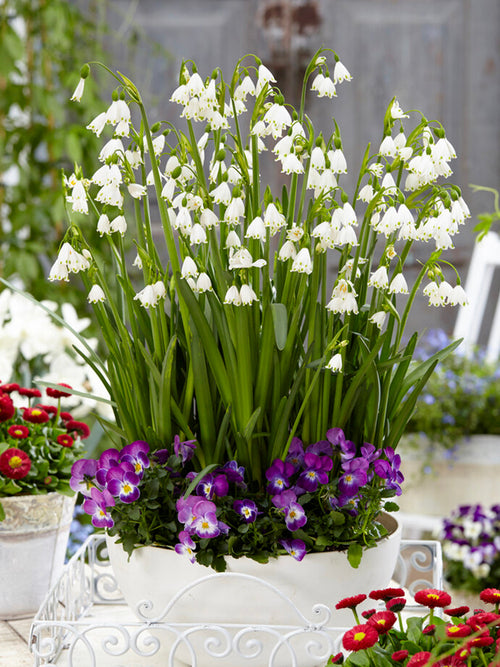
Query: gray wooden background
{"x": 439, "y": 56}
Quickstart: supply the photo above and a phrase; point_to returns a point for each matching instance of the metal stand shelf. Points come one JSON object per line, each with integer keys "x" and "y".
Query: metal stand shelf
{"x": 84, "y": 621}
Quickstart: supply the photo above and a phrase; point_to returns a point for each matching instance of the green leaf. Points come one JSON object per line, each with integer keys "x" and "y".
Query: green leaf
{"x": 359, "y": 658}
{"x": 391, "y": 507}
{"x": 354, "y": 554}
{"x": 280, "y": 320}
{"x": 2, "y": 512}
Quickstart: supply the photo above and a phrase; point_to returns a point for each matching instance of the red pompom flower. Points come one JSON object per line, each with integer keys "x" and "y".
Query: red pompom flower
{"x": 382, "y": 621}
{"x": 58, "y": 393}
{"x": 7, "y": 408}
{"x": 18, "y": 431}
{"x": 35, "y": 415}
{"x": 360, "y": 637}
{"x": 458, "y": 631}
{"x": 399, "y": 656}
{"x": 419, "y": 659}
{"x": 14, "y": 463}
{"x": 386, "y": 593}
{"x": 29, "y": 392}
{"x": 351, "y": 602}
{"x": 80, "y": 427}
{"x": 490, "y": 595}
{"x": 432, "y": 597}
{"x": 65, "y": 440}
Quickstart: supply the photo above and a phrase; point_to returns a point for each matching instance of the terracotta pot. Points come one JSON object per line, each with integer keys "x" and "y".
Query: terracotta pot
{"x": 33, "y": 539}
{"x": 157, "y": 575}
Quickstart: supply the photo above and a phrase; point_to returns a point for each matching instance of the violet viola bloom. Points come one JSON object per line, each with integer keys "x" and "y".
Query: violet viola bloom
{"x": 184, "y": 450}
{"x": 204, "y": 521}
{"x": 345, "y": 502}
{"x": 97, "y": 506}
{"x": 247, "y": 509}
{"x": 108, "y": 459}
{"x": 213, "y": 485}
{"x": 316, "y": 469}
{"x": 295, "y": 454}
{"x": 161, "y": 456}
{"x": 320, "y": 447}
{"x": 186, "y": 546}
{"x": 137, "y": 454}
{"x": 234, "y": 473}
{"x": 278, "y": 475}
{"x": 82, "y": 476}
{"x": 389, "y": 470}
{"x": 355, "y": 476}
{"x": 122, "y": 481}
{"x": 295, "y": 516}
{"x": 296, "y": 548}
{"x": 347, "y": 447}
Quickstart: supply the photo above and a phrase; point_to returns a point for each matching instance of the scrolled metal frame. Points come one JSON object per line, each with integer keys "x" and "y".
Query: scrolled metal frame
{"x": 66, "y": 628}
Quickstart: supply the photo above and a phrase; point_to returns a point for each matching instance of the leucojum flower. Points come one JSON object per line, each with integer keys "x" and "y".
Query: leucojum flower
{"x": 226, "y": 329}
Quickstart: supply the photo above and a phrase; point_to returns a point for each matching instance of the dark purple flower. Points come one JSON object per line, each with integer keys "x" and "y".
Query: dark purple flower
{"x": 355, "y": 476}
{"x": 247, "y": 509}
{"x": 137, "y": 454}
{"x": 83, "y": 476}
{"x": 389, "y": 470}
{"x": 320, "y": 447}
{"x": 347, "y": 448}
{"x": 110, "y": 458}
{"x": 278, "y": 475}
{"x": 212, "y": 485}
{"x": 199, "y": 517}
{"x": 349, "y": 503}
{"x": 282, "y": 500}
{"x": 161, "y": 456}
{"x": 186, "y": 546}
{"x": 97, "y": 506}
{"x": 369, "y": 452}
{"x": 316, "y": 469}
{"x": 296, "y": 548}
{"x": 122, "y": 481}
{"x": 295, "y": 517}
{"x": 295, "y": 454}
{"x": 184, "y": 450}
{"x": 234, "y": 473}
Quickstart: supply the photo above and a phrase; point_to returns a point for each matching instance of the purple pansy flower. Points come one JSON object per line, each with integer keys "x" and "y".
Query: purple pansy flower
{"x": 389, "y": 470}
{"x": 349, "y": 503}
{"x": 296, "y": 548}
{"x": 97, "y": 506}
{"x": 199, "y": 517}
{"x": 295, "y": 454}
{"x": 320, "y": 447}
{"x": 108, "y": 459}
{"x": 161, "y": 456}
{"x": 295, "y": 516}
{"x": 137, "y": 454}
{"x": 247, "y": 509}
{"x": 347, "y": 448}
{"x": 278, "y": 475}
{"x": 184, "y": 450}
{"x": 355, "y": 476}
{"x": 122, "y": 481}
{"x": 316, "y": 469}
{"x": 234, "y": 473}
{"x": 212, "y": 485}
{"x": 186, "y": 546}
{"x": 82, "y": 476}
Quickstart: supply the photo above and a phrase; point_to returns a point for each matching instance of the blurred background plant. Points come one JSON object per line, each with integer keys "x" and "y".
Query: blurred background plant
{"x": 488, "y": 219}
{"x": 471, "y": 547}
{"x": 462, "y": 397}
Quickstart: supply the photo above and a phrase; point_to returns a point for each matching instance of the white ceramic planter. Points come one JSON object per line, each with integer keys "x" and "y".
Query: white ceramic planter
{"x": 33, "y": 539}
{"x": 468, "y": 476}
{"x": 157, "y": 575}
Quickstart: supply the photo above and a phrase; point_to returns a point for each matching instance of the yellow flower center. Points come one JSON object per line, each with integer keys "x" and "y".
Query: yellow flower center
{"x": 359, "y": 636}
{"x": 15, "y": 461}
{"x": 127, "y": 488}
{"x": 36, "y": 412}
{"x": 433, "y": 596}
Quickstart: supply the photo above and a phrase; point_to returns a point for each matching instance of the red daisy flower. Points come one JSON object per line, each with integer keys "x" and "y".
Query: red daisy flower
{"x": 395, "y": 604}
{"x": 419, "y": 659}
{"x": 382, "y": 621}
{"x": 360, "y": 637}
{"x": 481, "y": 619}
{"x": 80, "y": 427}
{"x": 483, "y": 640}
{"x": 66, "y": 416}
{"x": 399, "y": 656}
{"x": 7, "y": 408}
{"x": 458, "y": 631}
{"x": 50, "y": 409}
{"x": 490, "y": 595}
{"x": 336, "y": 659}
{"x": 463, "y": 653}
{"x": 368, "y": 613}
{"x": 18, "y": 431}
{"x": 351, "y": 602}
{"x": 29, "y": 392}
{"x": 386, "y": 593}
{"x": 14, "y": 463}
{"x": 65, "y": 440}
{"x": 432, "y": 597}
{"x": 9, "y": 387}
{"x": 429, "y": 630}
{"x": 450, "y": 661}
{"x": 457, "y": 611}
{"x": 58, "y": 393}
{"x": 35, "y": 415}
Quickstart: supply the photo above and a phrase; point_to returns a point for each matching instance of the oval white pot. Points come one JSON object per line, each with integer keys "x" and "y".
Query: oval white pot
{"x": 468, "y": 475}
{"x": 33, "y": 539}
{"x": 157, "y": 575}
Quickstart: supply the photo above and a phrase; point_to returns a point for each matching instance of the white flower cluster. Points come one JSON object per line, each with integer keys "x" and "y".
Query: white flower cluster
{"x": 31, "y": 343}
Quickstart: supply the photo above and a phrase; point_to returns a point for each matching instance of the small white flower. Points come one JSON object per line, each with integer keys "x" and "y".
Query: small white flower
{"x": 388, "y": 182}
{"x": 98, "y": 124}
{"x": 110, "y": 148}
{"x": 388, "y": 147}
{"x": 302, "y": 262}
{"x": 234, "y": 211}
{"x": 335, "y": 363}
{"x": 147, "y": 297}
{"x": 340, "y": 73}
{"x": 291, "y": 164}
{"x": 110, "y": 194}
{"x": 59, "y": 271}
{"x": 189, "y": 268}
{"x": 197, "y": 235}
{"x": 246, "y": 87}
{"x": 346, "y": 236}
{"x": 379, "y": 278}
{"x": 208, "y": 219}
{"x": 180, "y": 95}
{"x": 295, "y": 233}
{"x": 136, "y": 190}
{"x": 195, "y": 85}
{"x": 397, "y": 111}
{"x": 103, "y": 225}
{"x": 183, "y": 220}
{"x": 242, "y": 259}
{"x": 134, "y": 158}
{"x": 247, "y": 295}
{"x": 317, "y": 158}
{"x": 76, "y": 262}
{"x": 159, "y": 290}
{"x": 203, "y": 283}
{"x": 264, "y": 75}
{"x": 376, "y": 169}
{"x": 79, "y": 198}
{"x": 287, "y": 251}
{"x": 366, "y": 193}
{"x": 278, "y": 118}
{"x": 96, "y": 294}
{"x": 458, "y": 297}
{"x": 158, "y": 144}
{"x": 77, "y": 95}
{"x": 378, "y": 318}
{"x": 324, "y": 86}
{"x": 274, "y": 219}
{"x": 398, "y": 285}
{"x": 338, "y": 161}
{"x": 118, "y": 224}
{"x": 233, "y": 296}
{"x": 232, "y": 240}
{"x": 256, "y": 229}
{"x": 221, "y": 194}
{"x": 137, "y": 262}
